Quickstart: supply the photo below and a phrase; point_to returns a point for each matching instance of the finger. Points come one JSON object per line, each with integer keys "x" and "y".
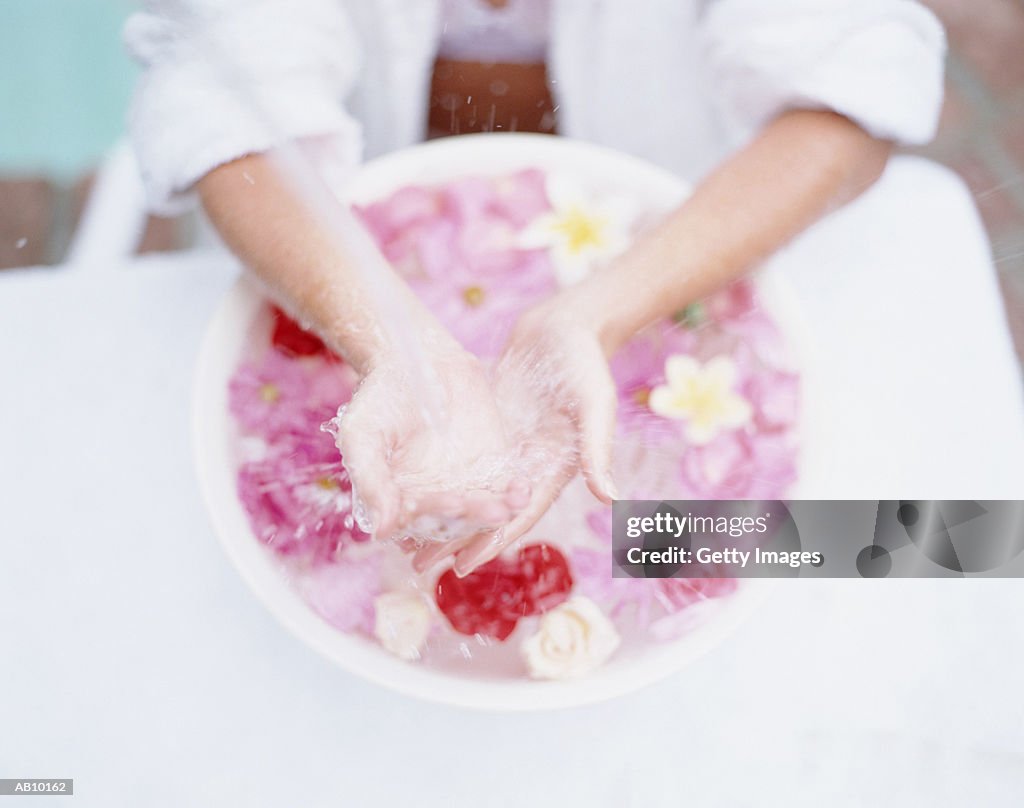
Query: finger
{"x": 440, "y": 503}
{"x": 458, "y": 514}
{"x": 489, "y": 545}
{"x": 479, "y": 549}
{"x": 382, "y": 507}
{"x": 436, "y": 551}
{"x": 517, "y": 495}
{"x": 596, "y": 431}
{"x": 450, "y": 517}
{"x": 364, "y": 454}
{"x": 485, "y": 509}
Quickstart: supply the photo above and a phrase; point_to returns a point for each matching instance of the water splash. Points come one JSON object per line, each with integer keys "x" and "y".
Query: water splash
{"x": 299, "y": 169}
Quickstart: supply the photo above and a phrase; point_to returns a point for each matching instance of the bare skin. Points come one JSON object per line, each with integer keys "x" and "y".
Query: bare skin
{"x": 802, "y": 166}
{"x": 386, "y": 443}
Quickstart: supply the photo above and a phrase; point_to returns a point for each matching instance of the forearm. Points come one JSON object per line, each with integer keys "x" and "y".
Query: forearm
{"x": 310, "y": 270}
{"x": 801, "y": 167}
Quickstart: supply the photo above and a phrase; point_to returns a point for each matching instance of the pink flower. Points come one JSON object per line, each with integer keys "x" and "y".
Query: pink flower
{"x": 488, "y": 214}
{"x": 522, "y": 197}
{"x": 735, "y": 301}
{"x": 592, "y": 571}
{"x": 437, "y": 251}
{"x": 654, "y": 602}
{"x": 269, "y": 398}
{"x": 689, "y": 602}
{"x": 599, "y": 521}
{"x": 282, "y": 395}
{"x": 299, "y": 499}
{"x": 638, "y": 368}
{"x": 517, "y": 199}
{"x": 466, "y": 226}
{"x": 399, "y": 222}
{"x": 343, "y": 593}
{"x": 775, "y": 397}
{"x": 737, "y": 465}
{"x": 480, "y": 310}
{"x": 738, "y": 313}
{"x": 679, "y": 593}
{"x": 331, "y": 385}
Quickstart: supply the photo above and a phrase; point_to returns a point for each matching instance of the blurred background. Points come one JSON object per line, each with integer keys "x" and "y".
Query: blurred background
{"x": 66, "y": 83}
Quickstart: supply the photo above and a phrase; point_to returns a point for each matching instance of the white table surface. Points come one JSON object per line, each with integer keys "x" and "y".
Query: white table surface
{"x": 134, "y": 660}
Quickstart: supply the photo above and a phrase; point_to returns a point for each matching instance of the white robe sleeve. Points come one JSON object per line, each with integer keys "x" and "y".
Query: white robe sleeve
{"x": 878, "y": 62}
{"x": 226, "y": 78}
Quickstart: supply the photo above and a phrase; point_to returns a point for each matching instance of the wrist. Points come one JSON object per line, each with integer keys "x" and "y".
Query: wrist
{"x": 371, "y": 336}
{"x": 421, "y": 345}
{"x": 598, "y": 306}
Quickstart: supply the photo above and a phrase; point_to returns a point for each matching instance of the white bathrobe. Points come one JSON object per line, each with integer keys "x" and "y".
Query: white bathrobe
{"x": 668, "y": 80}
{"x": 898, "y": 288}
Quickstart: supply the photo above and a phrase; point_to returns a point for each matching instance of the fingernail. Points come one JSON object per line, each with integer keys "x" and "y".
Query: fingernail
{"x": 428, "y": 556}
{"x": 464, "y": 568}
{"x": 469, "y": 560}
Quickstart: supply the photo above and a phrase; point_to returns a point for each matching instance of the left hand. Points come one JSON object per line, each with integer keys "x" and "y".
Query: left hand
{"x": 555, "y": 374}
{"x": 411, "y": 476}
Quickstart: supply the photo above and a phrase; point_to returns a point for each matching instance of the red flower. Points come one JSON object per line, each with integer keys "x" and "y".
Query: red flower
{"x": 491, "y": 599}
{"x": 545, "y": 577}
{"x": 293, "y": 340}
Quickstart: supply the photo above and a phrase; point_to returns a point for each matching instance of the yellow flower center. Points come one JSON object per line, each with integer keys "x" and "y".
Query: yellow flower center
{"x": 327, "y": 484}
{"x": 270, "y": 392}
{"x": 702, "y": 401}
{"x": 473, "y": 295}
{"x": 642, "y": 395}
{"x": 580, "y": 230}
{"x": 702, "y": 396}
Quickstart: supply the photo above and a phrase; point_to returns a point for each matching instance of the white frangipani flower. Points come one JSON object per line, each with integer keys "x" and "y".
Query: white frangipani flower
{"x": 701, "y": 395}
{"x": 580, "y": 231}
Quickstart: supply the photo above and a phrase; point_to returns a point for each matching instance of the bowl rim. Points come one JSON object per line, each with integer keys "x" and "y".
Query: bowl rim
{"x": 212, "y": 431}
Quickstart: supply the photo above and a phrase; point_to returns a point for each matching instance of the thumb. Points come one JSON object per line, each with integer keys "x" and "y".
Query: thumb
{"x": 596, "y": 430}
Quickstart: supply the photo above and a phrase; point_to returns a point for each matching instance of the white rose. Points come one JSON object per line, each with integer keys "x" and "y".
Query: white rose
{"x": 402, "y": 623}
{"x": 573, "y": 639}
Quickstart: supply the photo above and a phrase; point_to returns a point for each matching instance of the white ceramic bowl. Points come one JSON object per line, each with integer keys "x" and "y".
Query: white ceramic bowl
{"x": 214, "y": 433}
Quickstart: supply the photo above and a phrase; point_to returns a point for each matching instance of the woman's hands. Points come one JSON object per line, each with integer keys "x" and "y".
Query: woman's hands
{"x": 554, "y": 385}
{"x": 429, "y": 462}
{"x": 553, "y": 377}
